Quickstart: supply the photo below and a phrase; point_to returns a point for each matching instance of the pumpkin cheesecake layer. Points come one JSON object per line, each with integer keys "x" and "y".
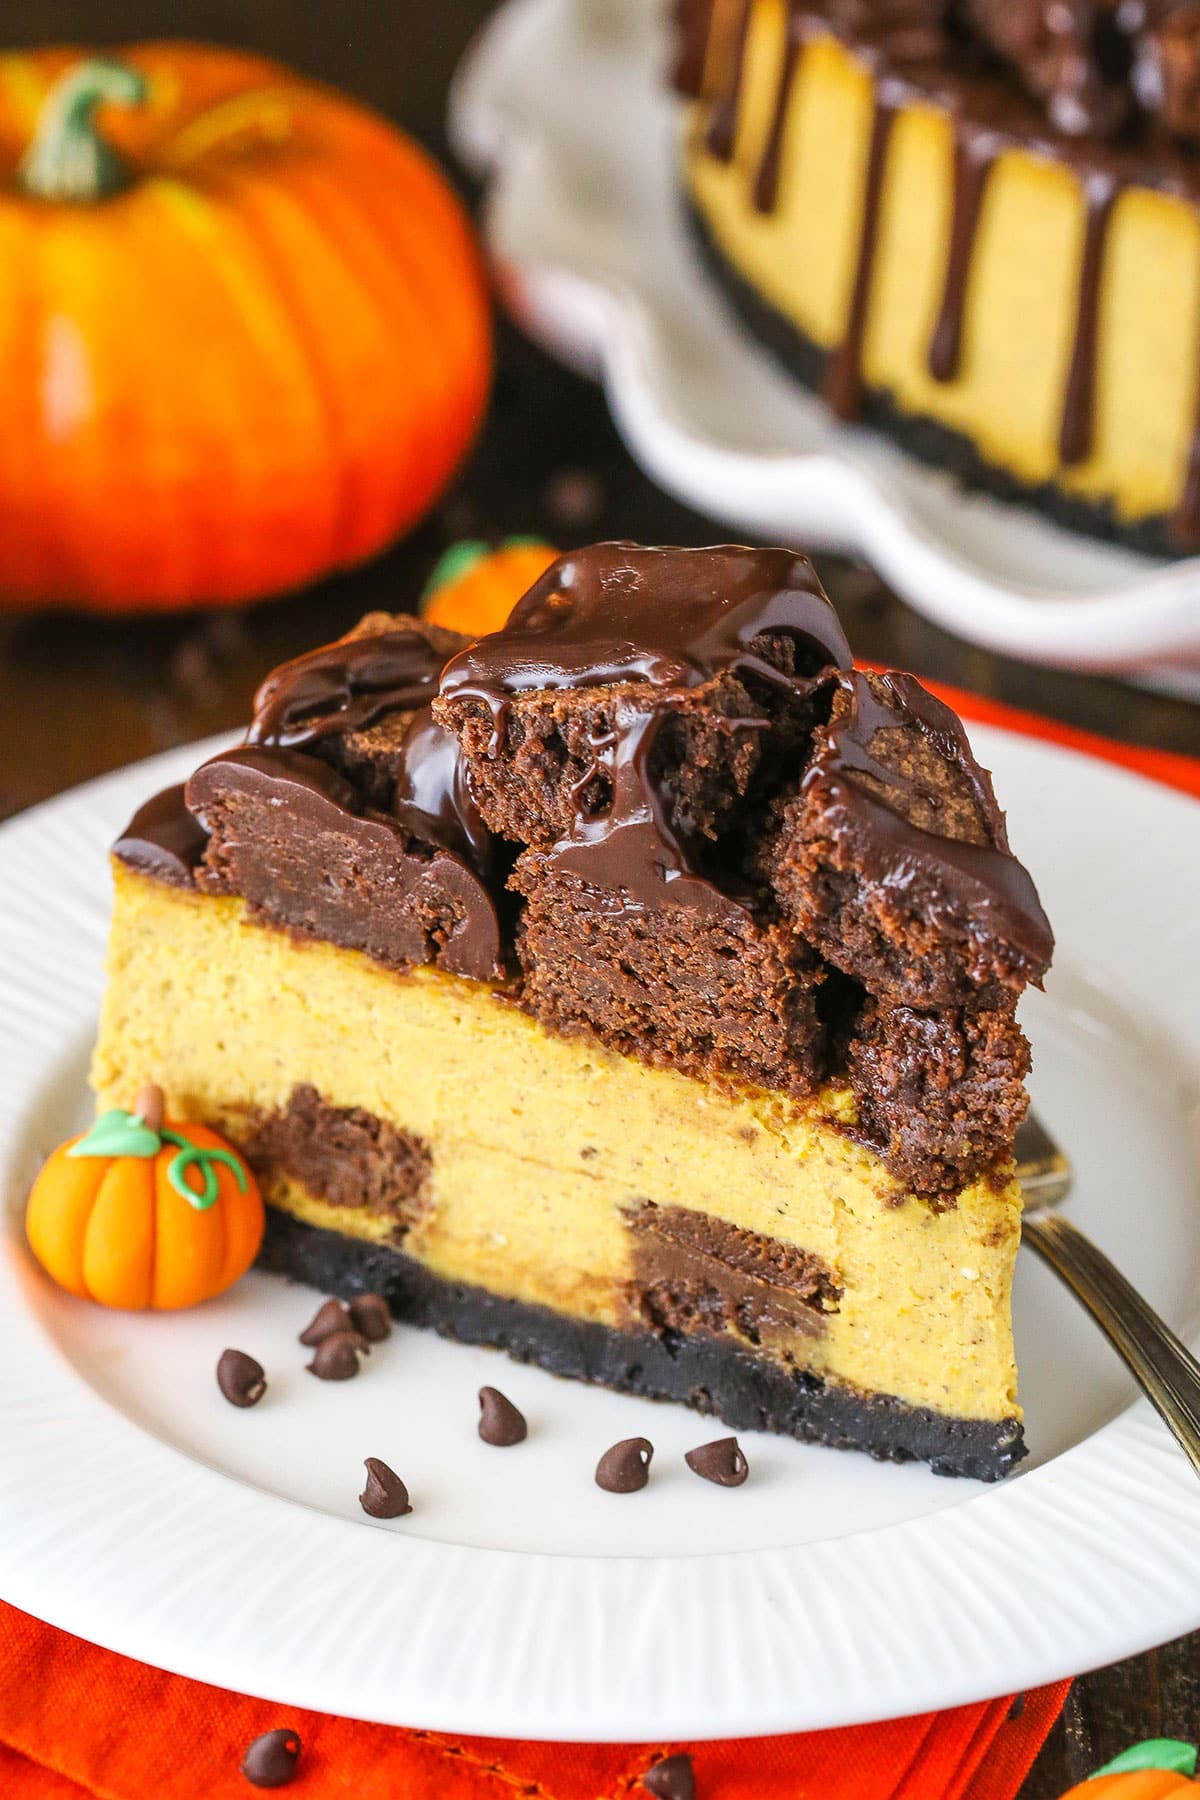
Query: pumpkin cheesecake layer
{"x": 1005, "y": 279}
{"x": 495, "y": 1155}
{"x": 633, "y": 987}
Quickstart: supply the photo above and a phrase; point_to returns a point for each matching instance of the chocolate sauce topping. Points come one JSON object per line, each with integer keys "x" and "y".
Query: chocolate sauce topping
{"x": 163, "y": 839}
{"x": 347, "y": 686}
{"x": 671, "y": 618}
{"x": 654, "y": 623}
{"x": 433, "y": 797}
{"x": 985, "y": 881}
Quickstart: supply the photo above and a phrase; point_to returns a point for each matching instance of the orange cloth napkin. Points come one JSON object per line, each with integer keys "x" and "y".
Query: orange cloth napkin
{"x": 78, "y": 1723}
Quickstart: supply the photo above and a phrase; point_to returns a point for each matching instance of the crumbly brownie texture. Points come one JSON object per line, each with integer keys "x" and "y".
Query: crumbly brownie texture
{"x": 680, "y": 988}
{"x": 748, "y": 1392}
{"x": 661, "y": 805}
{"x": 345, "y": 1155}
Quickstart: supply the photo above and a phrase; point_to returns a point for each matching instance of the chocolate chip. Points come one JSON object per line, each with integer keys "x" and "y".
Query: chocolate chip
{"x": 721, "y": 1461}
{"x": 240, "y": 1378}
{"x": 328, "y": 1318}
{"x": 626, "y": 1467}
{"x": 271, "y": 1759}
{"x": 336, "y": 1356}
{"x": 371, "y": 1317}
{"x": 385, "y": 1495}
{"x": 499, "y": 1420}
{"x": 673, "y": 1778}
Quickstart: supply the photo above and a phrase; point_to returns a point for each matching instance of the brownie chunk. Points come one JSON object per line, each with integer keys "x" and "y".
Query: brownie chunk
{"x": 693, "y": 667}
{"x": 343, "y": 1155}
{"x": 287, "y": 833}
{"x": 890, "y": 854}
{"x": 705, "y": 991}
{"x": 546, "y": 763}
{"x": 939, "y": 1094}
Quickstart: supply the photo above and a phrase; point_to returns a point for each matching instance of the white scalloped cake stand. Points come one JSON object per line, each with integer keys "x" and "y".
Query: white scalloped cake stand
{"x": 561, "y": 104}
{"x": 139, "y": 1510}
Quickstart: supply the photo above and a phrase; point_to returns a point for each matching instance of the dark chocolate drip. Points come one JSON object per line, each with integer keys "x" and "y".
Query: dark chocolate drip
{"x": 655, "y": 622}
{"x": 723, "y": 123}
{"x": 843, "y": 385}
{"x": 163, "y": 839}
{"x": 433, "y": 798}
{"x": 347, "y": 686}
{"x": 1100, "y": 191}
{"x": 631, "y": 857}
{"x": 766, "y": 183}
{"x": 975, "y": 156}
{"x": 693, "y": 33}
{"x": 984, "y": 881}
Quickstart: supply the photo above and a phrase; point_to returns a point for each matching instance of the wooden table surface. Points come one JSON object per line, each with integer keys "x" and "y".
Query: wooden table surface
{"x": 78, "y": 695}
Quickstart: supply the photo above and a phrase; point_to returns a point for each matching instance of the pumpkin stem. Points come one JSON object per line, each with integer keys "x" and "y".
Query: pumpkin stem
{"x": 68, "y": 160}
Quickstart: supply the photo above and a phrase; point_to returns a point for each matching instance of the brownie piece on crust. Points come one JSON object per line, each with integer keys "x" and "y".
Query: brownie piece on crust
{"x": 890, "y": 854}
{"x": 708, "y": 992}
{"x": 939, "y": 1094}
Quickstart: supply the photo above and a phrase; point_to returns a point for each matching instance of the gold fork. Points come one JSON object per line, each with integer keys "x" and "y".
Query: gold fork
{"x": 1165, "y": 1369}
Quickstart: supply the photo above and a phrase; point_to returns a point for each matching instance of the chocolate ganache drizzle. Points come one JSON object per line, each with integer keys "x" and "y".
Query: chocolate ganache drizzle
{"x": 356, "y": 683}
{"x": 347, "y": 686}
{"x": 982, "y": 882}
{"x": 1109, "y": 87}
{"x": 652, "y": 624}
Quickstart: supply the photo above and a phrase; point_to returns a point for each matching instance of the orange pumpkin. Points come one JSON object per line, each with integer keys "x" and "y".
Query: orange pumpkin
{"x": 1151, "y": 1771}
{"x": 244, "y": 331}
{"x": 473, "y": 589}
{"x": 139, "y": 1212}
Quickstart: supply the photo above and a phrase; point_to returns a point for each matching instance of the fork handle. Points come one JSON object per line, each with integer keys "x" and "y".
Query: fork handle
{"x": 1165, "y": 1369}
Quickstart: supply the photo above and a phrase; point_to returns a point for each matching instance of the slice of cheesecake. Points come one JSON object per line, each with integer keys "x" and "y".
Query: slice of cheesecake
{"x": 633, "y": 989}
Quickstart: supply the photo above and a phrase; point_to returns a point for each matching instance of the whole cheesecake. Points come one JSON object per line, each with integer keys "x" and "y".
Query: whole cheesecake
{"x": 633, "y": 989}
{"x": 973, "y": 224}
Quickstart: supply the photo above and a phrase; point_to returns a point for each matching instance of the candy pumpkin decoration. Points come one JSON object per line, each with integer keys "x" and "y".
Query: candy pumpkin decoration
{"x": 244, "y": 329}
{"x": 1151, "y": 1771}
{"x": 142, "y": 1213}
{"x": 473, "y": 589}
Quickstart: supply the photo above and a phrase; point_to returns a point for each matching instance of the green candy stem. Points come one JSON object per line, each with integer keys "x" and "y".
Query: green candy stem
{"x": 1168, "y": 1754}
{"x": 119, "y": 1133}
{"x": 196, "y": 1156}
{"x": 68, "y": 159}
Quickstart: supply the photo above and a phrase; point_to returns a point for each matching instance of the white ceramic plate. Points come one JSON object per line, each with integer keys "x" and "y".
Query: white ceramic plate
{"x": 139, "y": 1510}
{"x": 562, "y": 102}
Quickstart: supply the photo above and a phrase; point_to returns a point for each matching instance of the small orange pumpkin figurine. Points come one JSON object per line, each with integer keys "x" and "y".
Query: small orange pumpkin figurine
{"x": 141, "y": 1213}
{"x": 1151, "y": 1771}
{"x": 473, "y": 589}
